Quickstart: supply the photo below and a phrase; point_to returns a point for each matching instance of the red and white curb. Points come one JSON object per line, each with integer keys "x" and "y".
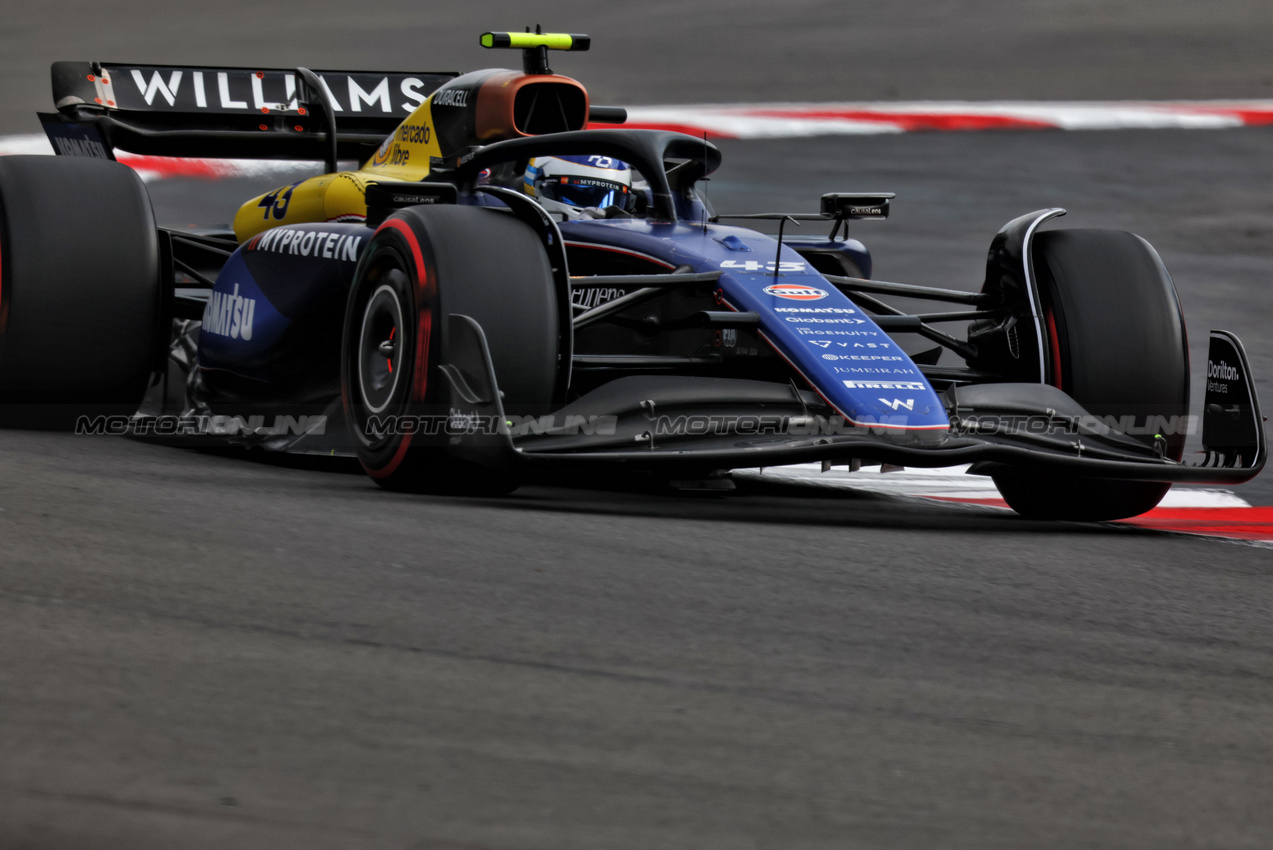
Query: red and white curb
{"x": 778, "y": 120}
{"x": 1207, "y": 512}
{"x": 164, "y": 167}
{"x": 793, "y": 120}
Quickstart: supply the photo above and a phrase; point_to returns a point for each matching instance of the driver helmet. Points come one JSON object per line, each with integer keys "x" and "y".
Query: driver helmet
{"x": 575, "y": 185}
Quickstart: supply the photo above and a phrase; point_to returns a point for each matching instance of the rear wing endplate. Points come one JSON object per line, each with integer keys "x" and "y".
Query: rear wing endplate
{"x": 1232, "y": 422}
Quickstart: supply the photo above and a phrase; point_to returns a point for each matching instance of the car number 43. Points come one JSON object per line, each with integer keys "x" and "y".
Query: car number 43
{"x": 758, "y": 266}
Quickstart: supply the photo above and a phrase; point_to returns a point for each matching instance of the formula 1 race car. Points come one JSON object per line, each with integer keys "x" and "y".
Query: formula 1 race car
{"x": 504, "y": 288}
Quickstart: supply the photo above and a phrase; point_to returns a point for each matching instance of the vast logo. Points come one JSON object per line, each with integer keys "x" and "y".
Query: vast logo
{"x": 796, "y": 292}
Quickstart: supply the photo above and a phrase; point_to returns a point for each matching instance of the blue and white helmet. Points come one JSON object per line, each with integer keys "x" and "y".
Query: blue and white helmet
{"x": 573, "y": 184}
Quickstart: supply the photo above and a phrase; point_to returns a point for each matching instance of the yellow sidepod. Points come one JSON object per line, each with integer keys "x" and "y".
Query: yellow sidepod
{"x": 404, "y": 157}
{"x": 328, "y": 197}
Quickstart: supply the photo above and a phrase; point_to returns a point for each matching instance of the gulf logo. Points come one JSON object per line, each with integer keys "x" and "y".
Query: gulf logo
{"x": 796, "y": 292}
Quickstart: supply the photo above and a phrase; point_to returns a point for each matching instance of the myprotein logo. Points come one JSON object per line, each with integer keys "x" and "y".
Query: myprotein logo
{"x": 796, "y": 292}
{"x": 307, "y": 243}
{"x": 229, "y": 314}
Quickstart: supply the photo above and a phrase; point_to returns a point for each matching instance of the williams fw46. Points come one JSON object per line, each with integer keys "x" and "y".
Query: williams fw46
{"x": 498, "y": 290}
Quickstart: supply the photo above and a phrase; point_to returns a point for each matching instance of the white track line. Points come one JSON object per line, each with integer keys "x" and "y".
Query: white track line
{"x": 947, "y": 483}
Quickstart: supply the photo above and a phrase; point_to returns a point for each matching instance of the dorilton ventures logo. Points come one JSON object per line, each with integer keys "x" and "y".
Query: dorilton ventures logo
{"x": 1222, "y": 370}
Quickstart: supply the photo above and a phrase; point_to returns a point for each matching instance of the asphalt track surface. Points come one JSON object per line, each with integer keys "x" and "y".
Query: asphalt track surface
{"x": 202, "y": 651}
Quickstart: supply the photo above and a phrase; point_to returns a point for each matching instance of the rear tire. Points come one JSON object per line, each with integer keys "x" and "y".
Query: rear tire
{"x": 423, "y": 265}
{"x": 1117, "y": 345}
{"x": 80, "y": 290}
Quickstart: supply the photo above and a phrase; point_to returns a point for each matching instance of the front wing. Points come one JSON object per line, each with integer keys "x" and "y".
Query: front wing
{"x": 678, "y": 424}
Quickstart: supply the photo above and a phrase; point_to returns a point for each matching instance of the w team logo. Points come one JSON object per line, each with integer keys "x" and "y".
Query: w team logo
{"x": 796, "y": 292}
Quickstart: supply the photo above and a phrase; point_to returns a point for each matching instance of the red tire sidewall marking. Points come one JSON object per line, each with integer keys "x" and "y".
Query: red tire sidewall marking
{"x": 424, "y": 295}
{"x": 1054, "y": 345}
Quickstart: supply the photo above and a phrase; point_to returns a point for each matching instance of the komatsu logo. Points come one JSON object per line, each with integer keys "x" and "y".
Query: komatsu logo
{"x": 80, "y": 147}
{"x": 229, "y": 314}
{"x": 1222, "y": 370}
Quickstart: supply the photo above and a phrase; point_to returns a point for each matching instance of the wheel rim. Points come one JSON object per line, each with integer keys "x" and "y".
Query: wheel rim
{"x": 380, "y": 346}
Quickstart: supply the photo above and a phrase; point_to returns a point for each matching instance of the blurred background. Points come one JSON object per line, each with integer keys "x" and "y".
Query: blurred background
{"x": 706, "y": 52}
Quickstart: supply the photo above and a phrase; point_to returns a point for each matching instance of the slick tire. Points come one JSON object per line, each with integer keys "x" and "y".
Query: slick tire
{"x": 1116, "y": 343}
{"x": 80, "y": 290}
{"x": 423, "y": 265}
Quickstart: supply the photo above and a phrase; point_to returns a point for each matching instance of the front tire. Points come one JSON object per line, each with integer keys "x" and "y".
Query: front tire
{"x": 423, "y": 265}
{"x": 1117, "y": 345}
{"x": 80, "y": 290}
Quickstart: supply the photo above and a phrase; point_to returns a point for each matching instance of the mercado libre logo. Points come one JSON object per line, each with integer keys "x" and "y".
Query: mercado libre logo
{"x": 795, "y": 292}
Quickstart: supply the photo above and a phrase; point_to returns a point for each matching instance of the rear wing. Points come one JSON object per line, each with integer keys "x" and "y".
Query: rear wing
{"x": 243, "y": 113}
